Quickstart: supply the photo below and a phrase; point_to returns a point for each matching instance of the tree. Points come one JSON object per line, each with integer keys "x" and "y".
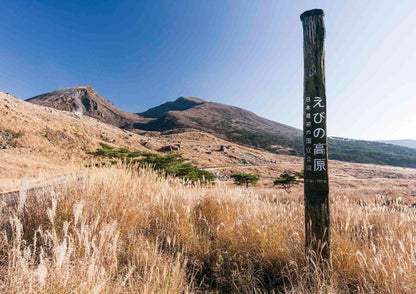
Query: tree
{"x": 172, "y": 163}
{"x": 300, "y": 174}
{"x": 240, "y": 179}
{"x": 287, "y": 179}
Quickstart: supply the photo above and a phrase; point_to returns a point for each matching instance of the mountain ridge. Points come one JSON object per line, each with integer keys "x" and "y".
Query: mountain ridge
{"x": 233, "y": 124}
{"x": 410, "y": 143}
{"x": 180, "y": 104}
{"x": 35, "y": 140}
{"x": 226, "y": 121}
{"x": 84, "y": 100}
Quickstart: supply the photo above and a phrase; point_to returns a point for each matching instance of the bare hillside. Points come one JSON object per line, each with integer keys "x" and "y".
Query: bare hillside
{"x": 37, "y": 140}
{"x": 230, "y": 122}
{"x": 84, "y": 100}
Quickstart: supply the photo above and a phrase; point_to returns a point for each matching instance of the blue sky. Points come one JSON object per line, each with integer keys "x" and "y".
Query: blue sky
{"x": 138, "y": 54}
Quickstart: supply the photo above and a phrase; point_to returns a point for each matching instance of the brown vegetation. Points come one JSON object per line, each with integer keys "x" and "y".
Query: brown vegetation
{"x": 124, "y": 231}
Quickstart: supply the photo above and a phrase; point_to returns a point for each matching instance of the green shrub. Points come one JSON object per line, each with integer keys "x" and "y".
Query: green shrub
{"x": 288, "y": 179}
{"x": 171, "y": 163}
{"x": 300, "y": 174}
{"x": 246, "y": 179}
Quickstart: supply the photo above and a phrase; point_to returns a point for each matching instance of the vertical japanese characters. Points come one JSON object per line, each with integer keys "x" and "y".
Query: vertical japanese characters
{"x": 315, "y": 139}
{"x": 315, "y": 148}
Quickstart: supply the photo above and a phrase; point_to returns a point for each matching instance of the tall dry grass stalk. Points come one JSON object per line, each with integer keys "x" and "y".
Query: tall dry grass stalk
{"x": 129, "y": 231}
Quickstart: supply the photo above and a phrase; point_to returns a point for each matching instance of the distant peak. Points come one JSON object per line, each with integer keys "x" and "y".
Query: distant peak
{"x": 180, "y": 104}
{"x": 86, "y": 101}
{"x": 88, "y": 88}
{"x": 192, "y": 99}
{"x": 63, "y": 92}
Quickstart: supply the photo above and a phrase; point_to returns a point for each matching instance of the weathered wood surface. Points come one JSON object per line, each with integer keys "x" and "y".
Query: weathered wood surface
{"x": 317, "y": 221}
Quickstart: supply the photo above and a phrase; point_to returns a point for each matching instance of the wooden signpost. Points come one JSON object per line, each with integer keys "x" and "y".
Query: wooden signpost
{"x": 317, "y": 222}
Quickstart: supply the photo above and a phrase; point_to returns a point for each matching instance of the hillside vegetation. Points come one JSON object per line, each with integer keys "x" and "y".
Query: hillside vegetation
{"x": 405, "y": 142}
{"x": 170, "y": 164}
{"x": 371, "y": 152}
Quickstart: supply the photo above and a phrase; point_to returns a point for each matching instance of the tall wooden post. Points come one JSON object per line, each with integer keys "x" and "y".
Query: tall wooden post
{"x": 317, "y": 222}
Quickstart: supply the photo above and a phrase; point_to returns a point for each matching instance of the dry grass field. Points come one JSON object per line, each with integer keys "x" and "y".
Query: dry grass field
{"x": 125, "y": 230}
{"x": 129, "y": 230}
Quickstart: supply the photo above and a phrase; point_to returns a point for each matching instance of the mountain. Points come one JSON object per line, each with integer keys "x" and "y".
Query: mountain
{"x": 38, "y": 141}
{"x": 371, "y": 152}
{"x": 244, "y": 127}
{"x": 180, "y": 104}
{"x": 224, "y": 121}
{"x": 84, "y": 100}
{"x": 229, "y": 122}
{"x": 405, "y": 142}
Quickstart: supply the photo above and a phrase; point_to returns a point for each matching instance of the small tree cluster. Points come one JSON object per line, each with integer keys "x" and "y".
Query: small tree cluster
{"x": 171, "y": 163}
{"x": 174, "y": 164}
{"x": 246, "y": 179}
{"x": 288, "y": 179}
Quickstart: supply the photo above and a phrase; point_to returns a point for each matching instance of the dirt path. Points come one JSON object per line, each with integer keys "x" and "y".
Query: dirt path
{"x": 235, "y": 166}
{"x": 12, "y": 197}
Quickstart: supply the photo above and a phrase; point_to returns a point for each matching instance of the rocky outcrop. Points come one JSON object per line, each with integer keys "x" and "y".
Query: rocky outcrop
{"x": 5, "y": 139}
{"x": 170, "y": 148}
{"x": 84, "y": 100}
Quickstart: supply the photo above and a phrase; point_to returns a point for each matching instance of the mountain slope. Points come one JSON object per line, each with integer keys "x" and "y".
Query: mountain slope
{"x": 227, "y": 122}
{"x": 182, "y": 103}
{"x": 242, "y": 126}
{"x": 371, "y": 152}
{"x": 84, "y": 100}
{"x": 41, "y": 141}
{"x": 404, "y": 143}
{"x": 230, "y": 122}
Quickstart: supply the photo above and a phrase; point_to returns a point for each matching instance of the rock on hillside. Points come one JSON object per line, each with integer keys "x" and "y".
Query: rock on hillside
{"x": 84, "y": 100}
